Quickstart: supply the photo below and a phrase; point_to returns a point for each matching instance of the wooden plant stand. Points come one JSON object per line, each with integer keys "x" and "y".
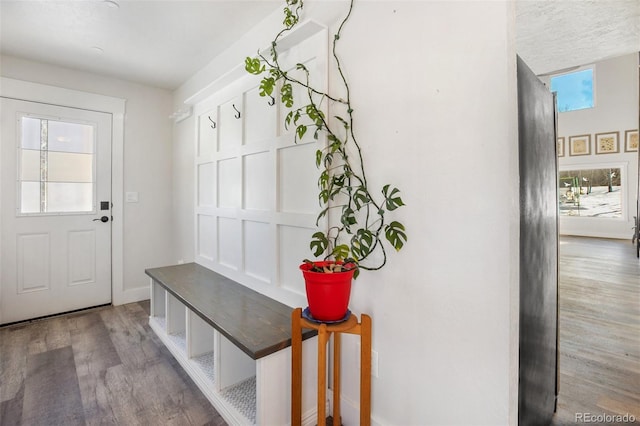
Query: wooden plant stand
{"x": 350, "y": 326}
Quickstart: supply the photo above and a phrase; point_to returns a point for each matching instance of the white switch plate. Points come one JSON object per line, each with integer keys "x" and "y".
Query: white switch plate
{"x": 131, "y": 197}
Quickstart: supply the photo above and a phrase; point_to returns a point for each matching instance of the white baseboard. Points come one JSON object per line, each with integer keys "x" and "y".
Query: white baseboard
{"x": 131, "y": 295}
{"x": 350, "y": 411}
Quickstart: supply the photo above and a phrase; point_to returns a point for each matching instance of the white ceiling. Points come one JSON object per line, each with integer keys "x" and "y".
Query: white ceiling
{"x": 164, "y": 42}
{"x": 559, "y": 34}
{"x": 160, "y": 43}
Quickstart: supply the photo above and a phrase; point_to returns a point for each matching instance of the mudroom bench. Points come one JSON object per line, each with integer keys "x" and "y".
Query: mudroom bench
{"x": 232, "y": 341}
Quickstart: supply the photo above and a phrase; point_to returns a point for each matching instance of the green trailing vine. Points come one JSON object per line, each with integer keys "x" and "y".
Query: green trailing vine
{"x": 364, "y": 227}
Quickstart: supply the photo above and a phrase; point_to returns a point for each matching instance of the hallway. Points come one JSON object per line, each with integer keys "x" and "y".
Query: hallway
{"x": 599, "y": 293}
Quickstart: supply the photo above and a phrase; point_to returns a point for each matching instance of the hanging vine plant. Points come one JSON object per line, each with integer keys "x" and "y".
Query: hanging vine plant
{"x": 364, "y": 226}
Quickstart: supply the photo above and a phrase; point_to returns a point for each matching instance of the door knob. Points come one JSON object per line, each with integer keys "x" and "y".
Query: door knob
{"x": 102, "y": 219}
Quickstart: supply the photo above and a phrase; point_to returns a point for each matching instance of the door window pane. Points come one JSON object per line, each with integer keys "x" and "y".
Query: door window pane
{"x": 69, "y": 167}
{"x": 70, "y": 137}
{"x": 30, "y": 202}
{"x": 69, "y": 197}
{"x": 57, "y": 166}
{"x": 30, "y": 130}
{"x": 30, "y": 165}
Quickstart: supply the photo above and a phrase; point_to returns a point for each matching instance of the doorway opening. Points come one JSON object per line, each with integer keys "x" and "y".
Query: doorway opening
{"x": 598, "y": 268}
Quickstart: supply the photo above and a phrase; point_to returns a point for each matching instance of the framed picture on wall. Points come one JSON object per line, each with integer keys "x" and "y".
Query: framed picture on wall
{"x": 560, "y": 147}
{"x": 631, "y": 140}
{"x": 607, "y": 143}
{"x": 580, "y": 145}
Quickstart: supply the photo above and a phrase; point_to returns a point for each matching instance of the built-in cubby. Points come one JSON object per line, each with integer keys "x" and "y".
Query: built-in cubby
{"x": 176, "y": 322}
{"x": 233, "y": 342}
{"x": 158, "y": 305}
{"x": 201, "y": 339}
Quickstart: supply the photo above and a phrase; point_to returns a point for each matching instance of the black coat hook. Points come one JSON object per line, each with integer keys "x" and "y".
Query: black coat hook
{"x": 213, "y": 123}
{"x": 271, "y": 101}
{"x": 238, "y": 112}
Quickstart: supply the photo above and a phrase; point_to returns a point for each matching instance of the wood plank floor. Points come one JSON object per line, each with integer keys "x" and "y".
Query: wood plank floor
{"x": 105, "y": 366}
{"x": 101, "y": 366}
{"x": 599, "y": 292}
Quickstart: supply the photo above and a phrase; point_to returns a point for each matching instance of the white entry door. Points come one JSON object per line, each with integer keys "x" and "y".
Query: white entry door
{"x": 55, "y": 200}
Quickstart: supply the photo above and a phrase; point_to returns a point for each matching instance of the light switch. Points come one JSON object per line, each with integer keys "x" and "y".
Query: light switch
{"x": 131, "y": 197}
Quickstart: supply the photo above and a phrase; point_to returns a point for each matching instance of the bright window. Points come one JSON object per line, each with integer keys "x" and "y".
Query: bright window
{"x": 590, "y": 192}
{"x": 56, "y": 171}
{"x": 574, "y": 90}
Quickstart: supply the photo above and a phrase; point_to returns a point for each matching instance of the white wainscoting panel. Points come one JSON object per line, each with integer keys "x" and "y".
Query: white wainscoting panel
{"x": 260, "y": 120}
{"x": 258, "y": 188}
{"x": 207, "y": 133}
{"x": 82, "y": 257}
{"x": 297, "y": 179}
{"x": 258, "y": 256}
{"x": 229, "y": 183}
{"x": 293, "y": 241}
{"x": 229, "y": 239}
{"x": 263, "y": 182}
{"x": 206, "y": 193}
{"x": 206, "y": 237}
{"x": 34, "y": 262}
{"x": 230, "y": 127}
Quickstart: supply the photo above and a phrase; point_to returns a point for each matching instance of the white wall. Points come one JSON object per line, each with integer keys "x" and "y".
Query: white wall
{"x": 183, "y": 185}
{"x": 433, "y": 85}
{"x": 147, "y": 163}
{"x": 616, "y": 109}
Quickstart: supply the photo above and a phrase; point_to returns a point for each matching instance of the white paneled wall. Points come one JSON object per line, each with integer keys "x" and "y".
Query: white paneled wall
{"x": 256, "y": 191}
{"x": 414, "y": 69}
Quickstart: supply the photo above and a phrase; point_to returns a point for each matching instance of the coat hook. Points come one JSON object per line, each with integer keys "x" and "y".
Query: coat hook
{"x": 213, "y": 123}
{"x": 238, "y": 112}
{"x": 272, "y": 101}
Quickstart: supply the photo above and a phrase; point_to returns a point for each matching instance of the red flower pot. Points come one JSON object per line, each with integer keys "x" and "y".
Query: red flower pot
{"x": 327, "y": 294}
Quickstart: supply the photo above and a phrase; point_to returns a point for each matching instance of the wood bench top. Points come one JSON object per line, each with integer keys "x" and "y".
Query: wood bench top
{"x": 254, "y": 322}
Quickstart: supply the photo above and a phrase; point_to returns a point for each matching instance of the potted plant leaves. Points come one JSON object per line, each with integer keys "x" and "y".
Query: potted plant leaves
{"x": 362, "y": 229}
